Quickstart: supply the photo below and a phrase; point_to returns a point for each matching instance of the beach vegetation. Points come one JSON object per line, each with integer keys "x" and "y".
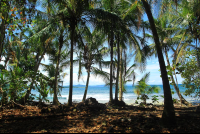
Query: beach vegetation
{"x": 142, "y": 89}
{"x": 91, "y": 52}
{"x": 168, "y": 39}
{"x": 84, "y": 33}
{"x": 43, "y": 90}
{"x": 189, "y": 70}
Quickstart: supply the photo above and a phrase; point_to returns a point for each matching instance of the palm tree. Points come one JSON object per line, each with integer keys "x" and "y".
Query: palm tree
{"x": 59, "y": 58}
{"x": 93, "y": 53}
{"x": 74, "y": 13}
{"x": 188, "y": 20}
{"x": 168, "y": 116}
{"x": 51, "y": 71}
{"x": 167, "y": 43}
{"x": 109, "y": 6}
{"x": 186, "y": 17}
{"x": 128, "y": 75}
{"x": 124, "y": 23}
{"x": 43, "y": 41}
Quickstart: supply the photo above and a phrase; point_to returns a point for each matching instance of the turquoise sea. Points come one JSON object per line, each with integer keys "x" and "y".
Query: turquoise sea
{"x": 101, "y": 93}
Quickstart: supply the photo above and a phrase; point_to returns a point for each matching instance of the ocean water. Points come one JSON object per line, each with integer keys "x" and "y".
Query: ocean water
{"x": 101, "y": 93}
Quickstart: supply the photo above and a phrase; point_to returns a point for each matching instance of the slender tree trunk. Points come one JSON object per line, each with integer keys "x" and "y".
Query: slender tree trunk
{"x": 168, "y": 116}
{"x": 71, "y": 66}
{"x": 120, "y": 76}
{"x": 197, "y": 53}
{"x": 175, "y": 86}
{"x": 55, "y": 89}
{"x": 118, "y": 62}
{"x": 86, "y": 88}
{"x": 25, "y": 98}
{"x": 111, "y": 65}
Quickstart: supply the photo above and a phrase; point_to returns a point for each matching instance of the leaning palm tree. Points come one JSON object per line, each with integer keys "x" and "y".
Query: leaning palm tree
{"x": 168, "y": 42}
{"x": 42, "y": 34}
{"x": 44, "y": 42}
{"x": 168, "y": 115}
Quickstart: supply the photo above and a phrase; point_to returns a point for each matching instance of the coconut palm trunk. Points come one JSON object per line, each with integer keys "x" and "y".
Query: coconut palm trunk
{"x": 71, "y": 65}
{"x": 175, "y": 86}
{"x": 120, "y": 76}
{"x": 118, "y": 62}
{"x": 55, "y": 89}
{"x": 87, "y": 83}
{"x": 168, "y": 116}
{"x": 111, "y": 64}
{"x": 197, "y": 52}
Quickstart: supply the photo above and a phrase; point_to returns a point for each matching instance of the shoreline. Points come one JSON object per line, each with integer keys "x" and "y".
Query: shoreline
{"x": 131, "y": 102}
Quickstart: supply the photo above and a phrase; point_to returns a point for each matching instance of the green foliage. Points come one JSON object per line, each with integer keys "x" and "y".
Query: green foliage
{"x": 13, "y": 84}
{"x": 142, "y": 89}
{"x": 190, "y": 71}
{"x": 43, "y": 90}
{"x": 155, "y": 98}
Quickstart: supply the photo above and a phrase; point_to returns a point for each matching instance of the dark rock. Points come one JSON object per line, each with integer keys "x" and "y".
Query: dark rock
{"x": 90, "y": 104}
{"x": 116, "y": 103}
{"x": 90, "y": 101}
{"x": 120, "y": 103}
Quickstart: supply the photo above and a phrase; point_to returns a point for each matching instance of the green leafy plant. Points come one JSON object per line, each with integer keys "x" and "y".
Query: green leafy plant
{"x": 13, "y": 84}
{"x": 155, "y": 98}
{"x": 43, "y": 90}
{"x": 189, "y": 70}
{"x": 142, "y": 89}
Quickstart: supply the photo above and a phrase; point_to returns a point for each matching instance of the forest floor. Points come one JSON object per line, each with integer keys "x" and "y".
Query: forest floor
{"x": 63, "y": 119}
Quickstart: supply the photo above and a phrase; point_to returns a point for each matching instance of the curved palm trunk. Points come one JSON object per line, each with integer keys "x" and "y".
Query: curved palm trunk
{"x": 175, "y": 86}
{"x": 120, "y": 76}
{"x": 55, "y": 89}
{"x": 25, "y": 98}
{"x": 87, "y": 83}
{"x": 71, "y": 66}
{"x": 168, "y": 116}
